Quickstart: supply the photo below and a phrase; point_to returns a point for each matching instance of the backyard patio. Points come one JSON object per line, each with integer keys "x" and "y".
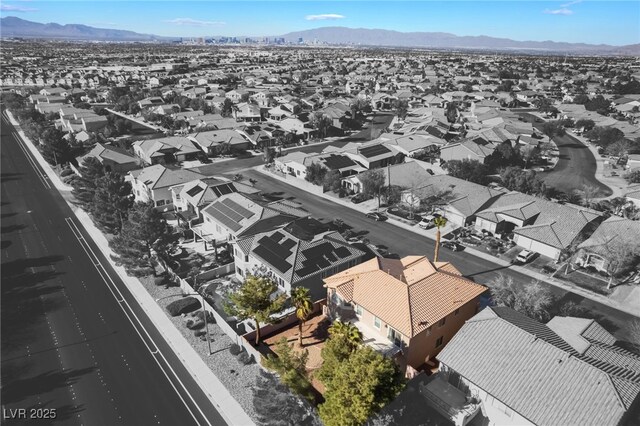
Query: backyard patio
{"x": 314, "y": 334}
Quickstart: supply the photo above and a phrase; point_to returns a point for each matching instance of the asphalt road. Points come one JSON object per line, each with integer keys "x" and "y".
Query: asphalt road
{"x": 404, "y": 242}
{"x": 67, "y": 342}
{"x": 576, "y": 165}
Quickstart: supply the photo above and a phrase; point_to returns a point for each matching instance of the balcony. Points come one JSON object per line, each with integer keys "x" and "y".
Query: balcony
{"x": 448, "y": 400}
{"x": 375, "y": 339}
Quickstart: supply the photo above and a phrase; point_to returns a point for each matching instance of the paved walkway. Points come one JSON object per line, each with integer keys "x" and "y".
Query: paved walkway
{"x": 210, "y": 384}
{"x": 629, "y": 307}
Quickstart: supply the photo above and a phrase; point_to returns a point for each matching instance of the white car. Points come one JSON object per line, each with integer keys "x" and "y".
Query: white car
{"x": 427, "y": 222}
{"x": 525, "y": 256}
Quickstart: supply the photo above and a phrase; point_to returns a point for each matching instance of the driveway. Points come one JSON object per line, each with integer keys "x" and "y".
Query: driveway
{"x": 576, "y": 165}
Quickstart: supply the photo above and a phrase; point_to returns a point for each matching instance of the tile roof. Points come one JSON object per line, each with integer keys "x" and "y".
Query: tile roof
{"x": 534, "y": 371}
{"x": 112, "y": 153}
{"x": 158, "y": 176}
{"x": 614, "y": 230}
{"x": 410, "y": 294}
{"x": 550, "y": 223}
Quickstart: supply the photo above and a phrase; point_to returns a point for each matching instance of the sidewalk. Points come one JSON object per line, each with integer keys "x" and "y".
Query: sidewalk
{"x": 210, "y": 384}
{"x": 631, "y": 309}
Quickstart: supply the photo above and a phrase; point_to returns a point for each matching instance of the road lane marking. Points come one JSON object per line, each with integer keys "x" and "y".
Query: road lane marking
{"x": 42, "y": 176}
{"x": 104, "y": 275}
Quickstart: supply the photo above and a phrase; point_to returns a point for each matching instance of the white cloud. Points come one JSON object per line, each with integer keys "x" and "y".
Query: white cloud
{"x": 194, "y": 22}
{"x": 12, "y": 8}
{"x": 571, "y": 3}
{"x": 324, "y": 17}
{"x": 562, "y": 11}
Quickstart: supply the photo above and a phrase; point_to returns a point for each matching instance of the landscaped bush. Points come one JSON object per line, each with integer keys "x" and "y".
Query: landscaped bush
{"x": 210, "y": 318}
{"x": 66, "y": 172}
{"x": 183, "y": 306}
{"x": 548, "y": 269}
{"x": 235, "y": 349}
{"x": 195, "y": 324}
{"x": 160, "y": 280}
{"x": 245, "y": 358}
{"x": 199, "y": 333}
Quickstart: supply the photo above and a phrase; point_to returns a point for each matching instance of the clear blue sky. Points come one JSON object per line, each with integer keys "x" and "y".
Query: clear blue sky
{"x": 610, "y": 22}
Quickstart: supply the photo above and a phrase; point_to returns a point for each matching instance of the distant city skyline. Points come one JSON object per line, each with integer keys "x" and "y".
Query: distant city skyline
{"x": 577, "y": 21}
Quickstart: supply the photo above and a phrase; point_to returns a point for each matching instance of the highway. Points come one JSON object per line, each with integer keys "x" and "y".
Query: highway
{"x": 405, "y": 242}
{"x": 74, "y": 341}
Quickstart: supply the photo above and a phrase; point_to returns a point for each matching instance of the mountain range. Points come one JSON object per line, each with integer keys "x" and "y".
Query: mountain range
{"x": 12, "y": 26}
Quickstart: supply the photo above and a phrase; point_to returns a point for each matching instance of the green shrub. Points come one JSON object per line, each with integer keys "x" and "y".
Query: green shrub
{"x": 195, "y": 325}
{"x": 235, "y": 349}
{"x": 245, "y": 358}
{"x": 210, "y": 318}
{"x": 66, "y": 172}
{"x": 183, "y": 306}
{"x": 199, "y": 333}
{"x": 160, "y": 280}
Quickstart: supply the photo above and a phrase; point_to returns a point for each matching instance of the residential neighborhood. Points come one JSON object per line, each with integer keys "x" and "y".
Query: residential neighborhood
{"x": 295, "y": 232}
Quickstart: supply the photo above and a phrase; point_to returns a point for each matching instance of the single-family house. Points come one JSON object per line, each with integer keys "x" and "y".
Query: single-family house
{"x": 523, "y": 372}
{"x": 166, "y": 150}
{"x": 153, "y": 184}
{"x": 112, "y": 158}
{"x": 538, "y": 225}
{"x": 235, "y": 216}
{"x": 617, "y": 241}
{"x": 215, "y": 142}
{"x": 409, "y": 308}
{"x": 300, "y": 254}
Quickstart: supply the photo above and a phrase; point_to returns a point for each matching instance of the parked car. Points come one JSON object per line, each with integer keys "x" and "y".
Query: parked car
{"x": 427, "y": 222}
{"x": 378, "y": 217}
{"x": 452, "y": 245}
{"x": 524, "y": 256}
{"x": 359, "y": 198}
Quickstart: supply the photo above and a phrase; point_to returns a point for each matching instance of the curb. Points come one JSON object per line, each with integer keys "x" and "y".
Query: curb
{"x": 536, "y": 275}
{"x": 224, "y": 402}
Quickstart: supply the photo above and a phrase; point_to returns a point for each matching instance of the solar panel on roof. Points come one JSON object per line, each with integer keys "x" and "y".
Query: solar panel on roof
{"x": 226, "y": 188}
{"x": 331, "y": 257}
{"x": 275, "y": 247}
{"x": 222, "y": 218}
{"x": 237, "y": 208}
{"x": 227, "y": 211}
{"x": 277, "y": 236}
{"x": 194, "y": 191}
{"x": 308, "y": 270}
{"x": 288, "y": 243}
{"x": 342, "y": 252}
{"x": 322, "y": 262}
{"x": 271, "y": 258}
{"x": 372, "y": 151}
{"x": 317, "y": 251}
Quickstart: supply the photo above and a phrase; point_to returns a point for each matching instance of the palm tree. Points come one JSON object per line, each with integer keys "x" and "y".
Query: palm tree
{"x": 347, "y": 331}
{"x": 439, "y": 222}
{"x": 301, "y": 300}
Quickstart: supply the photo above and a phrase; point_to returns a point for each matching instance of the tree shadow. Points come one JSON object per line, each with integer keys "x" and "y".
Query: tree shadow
{"x": 12, "y": 228}
{"x": 5, "y": 244}
{"x": 19, "y": 389}
{"x": 7, "y": 215}
{"x": 499, "y": 268}
{"x": 22, "y": 305}
{"x": 7, "y": 177}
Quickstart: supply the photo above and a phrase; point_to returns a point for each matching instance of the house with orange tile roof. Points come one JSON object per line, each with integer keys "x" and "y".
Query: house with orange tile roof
{"x": 407, "y": 308}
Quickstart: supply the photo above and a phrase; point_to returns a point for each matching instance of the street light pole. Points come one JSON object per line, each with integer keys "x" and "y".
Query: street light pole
{"x": 204, "y": 313}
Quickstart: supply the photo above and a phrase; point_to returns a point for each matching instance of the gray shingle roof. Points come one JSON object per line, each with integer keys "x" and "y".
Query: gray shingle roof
{"x": 531, "y": 369}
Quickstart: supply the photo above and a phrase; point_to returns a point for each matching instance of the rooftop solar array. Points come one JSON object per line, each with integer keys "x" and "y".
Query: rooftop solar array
{"x": 226, "y": 188}
{"x": 372, "y": 151}
{"x": 274, "y": 253}
{"x": 338, "y": 161}
{"x": 320, "y": 257}
{"x": 237, "y": 208}
{"x": 195, "y": 191}
{"x": 236, "y": 217}
{"x": 223, "y": 218}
